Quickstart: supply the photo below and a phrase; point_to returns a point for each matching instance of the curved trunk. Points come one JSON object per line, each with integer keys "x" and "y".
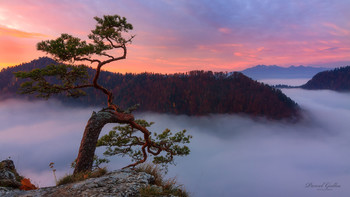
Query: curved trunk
{"x": 92, "y": 131}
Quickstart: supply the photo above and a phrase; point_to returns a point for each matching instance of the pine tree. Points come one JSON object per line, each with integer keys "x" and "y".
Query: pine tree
{"x": 107, "y": 38}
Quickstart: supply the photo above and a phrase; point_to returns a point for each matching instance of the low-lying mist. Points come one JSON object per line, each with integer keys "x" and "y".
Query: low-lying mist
{"x": 231, "y": 155}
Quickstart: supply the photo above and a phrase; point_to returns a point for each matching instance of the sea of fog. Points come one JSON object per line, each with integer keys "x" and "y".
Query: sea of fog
{"x": 291, "y": 82}
{"x": 231, "y": 155}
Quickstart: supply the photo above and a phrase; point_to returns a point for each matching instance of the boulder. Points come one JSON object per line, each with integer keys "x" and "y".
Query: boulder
{"x": 8, "y": 174}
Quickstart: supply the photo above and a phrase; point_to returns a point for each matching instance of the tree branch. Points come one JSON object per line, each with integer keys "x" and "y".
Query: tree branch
{"x": 118, "y": 58}
{"x": 105, "y": 54}
{"x": 76, "y": 87}
{"x": 140, "y": 161}
{"x": 86, "y": 59}
{"x": 154, "y": 153}
{"x": 112, "y": 44}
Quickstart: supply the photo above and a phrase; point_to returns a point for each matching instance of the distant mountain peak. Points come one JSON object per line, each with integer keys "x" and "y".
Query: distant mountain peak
{"x": 277, "y": 72}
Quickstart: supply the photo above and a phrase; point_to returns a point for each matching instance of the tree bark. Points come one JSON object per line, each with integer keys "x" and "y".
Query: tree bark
{"x": 92, "y": 131}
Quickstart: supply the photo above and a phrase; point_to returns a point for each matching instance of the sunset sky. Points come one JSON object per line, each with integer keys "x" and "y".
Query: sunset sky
{"x": 183, "y": 35}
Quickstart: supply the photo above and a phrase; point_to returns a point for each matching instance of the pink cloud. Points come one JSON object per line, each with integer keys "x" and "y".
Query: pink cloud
{"x": 225, "y": 30}
{"x": 5, "y": 31}
{"x": 336, "y": 30}
{"x": 238, "y": 54}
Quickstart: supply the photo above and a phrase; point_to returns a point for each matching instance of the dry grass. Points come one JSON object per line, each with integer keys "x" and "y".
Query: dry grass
{"x": 81, "y": 176}
{"x": 168, "y": 187}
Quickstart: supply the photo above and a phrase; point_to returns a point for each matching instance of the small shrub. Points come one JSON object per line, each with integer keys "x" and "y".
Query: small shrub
{"x": 168, "y": 187}
{"x": 81, "y": 176}
{"x": 27, "y": 185}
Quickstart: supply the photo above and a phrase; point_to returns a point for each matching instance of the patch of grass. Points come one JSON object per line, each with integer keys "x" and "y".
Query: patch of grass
{"x": 81, "y": 176}
{"x": 165, "y": 187}
{"x": 153, "y": 170}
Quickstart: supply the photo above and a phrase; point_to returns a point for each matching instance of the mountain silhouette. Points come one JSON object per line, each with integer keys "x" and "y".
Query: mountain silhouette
{"x": 277, "y": 72}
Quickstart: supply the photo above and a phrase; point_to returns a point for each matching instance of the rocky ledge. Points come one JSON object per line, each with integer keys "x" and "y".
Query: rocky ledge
{"x": 121, "y": 183}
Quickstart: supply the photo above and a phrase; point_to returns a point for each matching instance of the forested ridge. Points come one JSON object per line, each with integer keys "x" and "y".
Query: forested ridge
{"x": 337, "y": 79}
{"x": 192, "y": 93}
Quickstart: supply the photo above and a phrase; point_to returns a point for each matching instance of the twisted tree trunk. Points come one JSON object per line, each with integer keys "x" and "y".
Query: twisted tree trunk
{"x": 90, "y": 137}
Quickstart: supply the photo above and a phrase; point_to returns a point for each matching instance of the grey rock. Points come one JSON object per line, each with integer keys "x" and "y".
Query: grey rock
{"x": 7, "y": 164}
{"x": 120, "y": 183}
{"x": 8, "y": 174}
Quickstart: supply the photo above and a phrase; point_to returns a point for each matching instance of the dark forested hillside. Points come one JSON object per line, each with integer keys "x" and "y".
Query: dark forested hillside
{"x": 193, "y": 93}
{"x": 337, "y": 79}
{"x": 9, "y": 84}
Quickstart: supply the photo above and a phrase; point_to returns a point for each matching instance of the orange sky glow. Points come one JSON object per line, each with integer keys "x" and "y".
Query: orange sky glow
{"x": 179, "y": 36}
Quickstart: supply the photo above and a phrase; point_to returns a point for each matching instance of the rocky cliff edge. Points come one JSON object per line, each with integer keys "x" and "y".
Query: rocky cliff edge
{"x": 126, "y": 182}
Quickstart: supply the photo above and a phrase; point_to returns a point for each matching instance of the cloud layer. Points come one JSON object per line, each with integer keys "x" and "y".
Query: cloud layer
{"x": 230, "y": 155}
